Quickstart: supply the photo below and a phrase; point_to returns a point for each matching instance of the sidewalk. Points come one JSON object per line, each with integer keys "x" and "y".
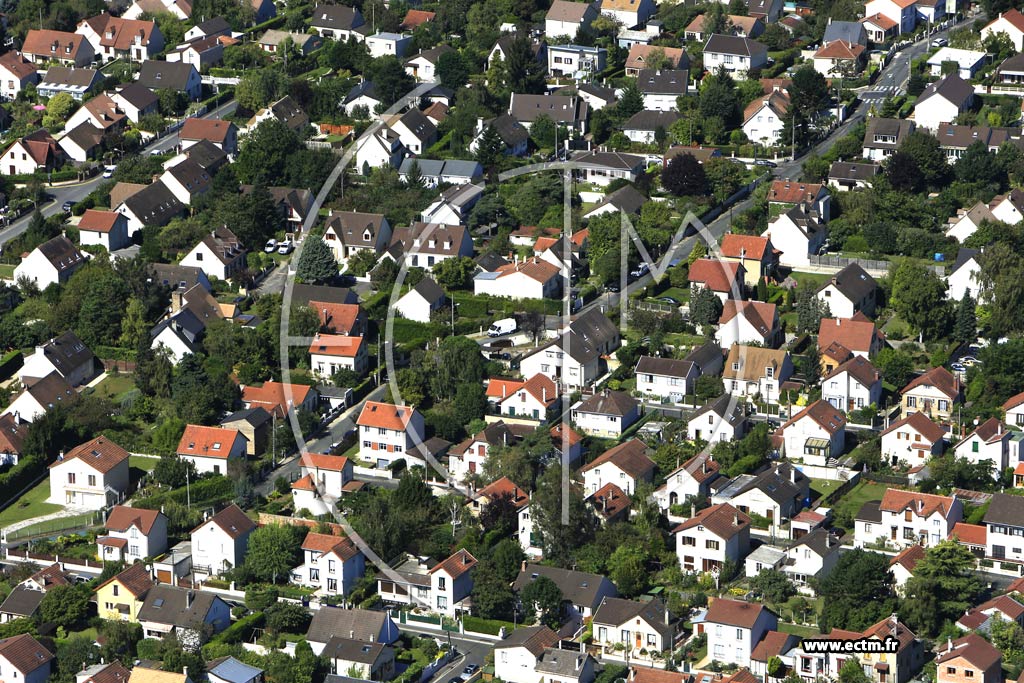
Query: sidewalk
{"x": 66, "y": 512}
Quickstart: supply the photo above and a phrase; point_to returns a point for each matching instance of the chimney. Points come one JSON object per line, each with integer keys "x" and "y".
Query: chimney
{"x": 949, "y": 644}
{"x": 523, "y": 567}
{"x": 735, "y": 519}
{"x": 792, "y": 474}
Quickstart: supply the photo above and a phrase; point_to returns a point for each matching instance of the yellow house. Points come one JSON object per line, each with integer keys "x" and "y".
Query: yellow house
{"x": 120, "y": 598}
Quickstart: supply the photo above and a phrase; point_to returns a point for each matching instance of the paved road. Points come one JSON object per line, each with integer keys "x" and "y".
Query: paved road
{"x": 79, "y": 191}
{"x": 893, "y": 79}
{"x": 471, "y": 650}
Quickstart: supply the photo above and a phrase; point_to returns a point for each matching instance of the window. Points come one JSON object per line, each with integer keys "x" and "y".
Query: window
{"x": 314, "y": 574}
{"x": 908, "y": 516}
{"x": 687, "y": 540}
{"x": 769, "y": 372}
{"x": 711, "y": 545}
{"x": 974, "y": 447}
{"x": 739, "y": 634}
{"x": 71, "y": 477}
{"x": 133, "y": 550}
{"x": 624, "y": 635}
{"x": 867, "y": 528}
{"x": 332, "y": 585}
{"x": 442, "y": 583}
{"x": 442, "y": 602}
{"x": 199, "y": 256}
{"x": 92, "y": 480}
{"x": 602, "y": 635}
{"x": 134, "y": 533}
{"x": 951, "y": 670}
{"x": 330, "y": 566}
{"x": 718, "y": 631}
{"x": 911, "y": 401}
{"x": 652, "y": 639}
{"x": 116, "y": 588}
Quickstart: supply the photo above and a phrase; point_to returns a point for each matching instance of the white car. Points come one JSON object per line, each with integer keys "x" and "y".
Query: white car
{"x": 108, "y": 171}
{"x": 271, "y": 246}
{"x": 285, "y": 247}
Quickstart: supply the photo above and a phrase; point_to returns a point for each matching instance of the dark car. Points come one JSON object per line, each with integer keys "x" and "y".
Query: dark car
{"x": 67, "y": 206}
{"x": 766, "y": 162}
{"x": 612, "y": 287}
{"x": 468, "y": 672}
{"x": 669, "y": 300}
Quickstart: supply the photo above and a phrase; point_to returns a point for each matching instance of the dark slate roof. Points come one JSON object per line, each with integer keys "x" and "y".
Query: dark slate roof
{"x": 349, "y": 650}
{"x": 853, "y": 281}
{"x": 733, "y": 45}
{"x": 512, "y": 132}
{"x": 169, "y": 605}
{"x": 671, "y": 81}
{"x": 870, "y": 512}
{"x": 64, "y": 75}
{"x": 594, "y": 326}
{"x": 651, "y": 120}
{"x": 952, "y": 88}
{"x": 138, "y": 95}
{"x": 579, "y": 588}
{"x": 214, "y": 26}
{"x": 490, "y": 262}
{"x": 67, "y": 353}
{"x": 847, "y": 170}
{"x": 158, "y": 75}
{"x": 358, "y": 624}
{"x": 22, "y": 602}
{"x": 668, "y": 367}
{"x": 850, "y": 31}
{"x": 429, "y": 290}
{"x": 1005, "y": 509}
{"x": 963, "y": 256}
{"x": 254, "y": 416}
{"x": 155, "y": 205}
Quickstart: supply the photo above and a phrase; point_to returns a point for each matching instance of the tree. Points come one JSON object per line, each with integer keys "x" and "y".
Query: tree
{"x": 457, "y": 361}
{"x": 384, "y": 274}
{"x": 543, "y": 131}
{"x": 73, "y": 654}
{"x": 705, "y": 306}
{"x": 259, "y": 87}
{"x": 918, "y": 295}
{"x": 916, "y": 84}
{"x": 903, "y": 173}
{"x": 684, "y": 176}
{"x": 58, "y": 109}
{"x": 274, "y": 549}
{"x": 316, "y": 262}
{"x": 559, "y": 539}
{"x": 978, "y": 165}
{"x": 65, "y": 606}
{"x": 858, "y": 592}
{"x": 542, "y": 597}
{"x": 966, "y": 326}
{"x": 896, "y": 366}
{"x": 627, "y": 570}
{"x": 1001, "y": 275}
{"x": 389, "y": 79}
{"x": 773, "y": 585}
{"x": 716, "y": 19}
{"x": 525, "y": 73}
{"x": 490, "y": 147}
{"x": 631, "y": 100}
{"x": 134, "y": 327}
{"x": 492, "y": 594}
{"x": 287, "y": 617}
{"x": 942, "y": 588}
{"x": 265, "y": 152}
{"x": 924, "y": 149}
{"x": 809, "y": 309}
{"x": 718, "y": 99}
{"x": 853, "y": 672}
{"x": 452, "y": 70}
{"x": 455, "y": 273}
{"x": 173, "y": 472}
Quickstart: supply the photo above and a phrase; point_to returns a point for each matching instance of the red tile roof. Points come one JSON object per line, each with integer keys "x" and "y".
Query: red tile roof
{"x": 40, "y": 42}
{"x": 123, "y": 517}
{"x": 1014, "y": 401}
{"x": 1013, "y": 17}
{"x": 460, "y": 562}
{"x": 970, "y": 534}
{"x": 920, "y": 423}
{"x": 503, "y": 388}
{"x": 718, "y": 276}
{"x": 415, "y": 17}
{"x": 341, "y": 546}
{"x": 98, "y": 221}
{"x": 136, "y": 579}
{"x": 610, "y": 500}
{"x": 16, "y": 64}
{"x": 384, "y": 415}
{"x": 630, "y": 457}
{"x": 792, "y": 192}
{"x": 337, "y": 318}
{"x": 207, "y": 442}
{"x": 723, "y": 520}
{"x": 24, "y": 653}
{"x": 856, "y": 335}
{"x": 973, "y": 648}
{"x": 744, "y": 246}
{"x": 336, "y": 345}
{"x": 273, "y": 397}
{"x": 233, "y": 521}
{"x": 940, "y": 378}
{"x": 908, "y": 557}
{"x": 100, "y": 453}
{"x": 759, "y": 314}
{"x": 840, "y": 49}
{"x": 828, "y": 418}
{"x": 733, "y": 612}
{"x": 923, "y": 504}
{"x": 320, "y": 461}
{"x": 517, "y": 495}
{"x": 214, "y": 130}
{"x": 881, "y": 21}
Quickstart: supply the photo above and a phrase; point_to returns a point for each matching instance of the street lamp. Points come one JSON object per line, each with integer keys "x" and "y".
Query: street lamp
{"x": 454, "y": 306}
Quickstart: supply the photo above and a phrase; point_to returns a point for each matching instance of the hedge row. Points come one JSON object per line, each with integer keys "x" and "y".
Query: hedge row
{"x": 11, "y": 362}
{"x": 240, "y": 631}
{"x": 28, "y": 469}
{"x": 114, "y": 353}
{"x": 54, "y": 177}
{"x": 203, "y": 492}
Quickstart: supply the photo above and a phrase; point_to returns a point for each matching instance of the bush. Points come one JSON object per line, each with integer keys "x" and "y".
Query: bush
{"x": 236, "y": 633}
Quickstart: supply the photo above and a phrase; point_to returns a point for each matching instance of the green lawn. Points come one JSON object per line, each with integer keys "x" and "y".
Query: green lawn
{"x": 145, "y": 464}
{"x": 802, "y": 631}
{"x": 860, "y": 494}
{"x": 113, "y": 386}
{"x": 6, "y": 271}
{"x": 32, "y": 504}
{"x": 817, "y": 279}
{"x": 823, "y": 487}
{"x": 680, "y": 294}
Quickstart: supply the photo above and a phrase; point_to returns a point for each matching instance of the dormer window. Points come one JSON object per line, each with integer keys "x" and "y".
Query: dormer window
{"x": 769, "y": 372}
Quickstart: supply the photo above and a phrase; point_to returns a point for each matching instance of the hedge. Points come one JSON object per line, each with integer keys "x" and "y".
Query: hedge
{"x": 11, "y": 362}
{"x": 489, "y": 626}
{"x": 22, "y": 475}
{"x": 54, "y": 177}
{"x": 240, "y": 630}
{"x": 114, "y": 353}
{"x": 203, "y": 492}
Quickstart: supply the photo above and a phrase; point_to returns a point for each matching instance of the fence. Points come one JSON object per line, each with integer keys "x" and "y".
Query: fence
{"x": 73, "y": 563}
{"x": 872, "y": 266}
{"x": 56, "y": 526}
{"x": 897, "y": 479}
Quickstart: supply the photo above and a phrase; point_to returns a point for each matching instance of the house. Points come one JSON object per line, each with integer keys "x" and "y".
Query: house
{"x": 434, "y": 172}
{"x": 943, "y": 101}
{"x": 902, "y": 565}
{"x": 719, "y": 420}
{"x": 1005, "y": 523}
{"x": 884, "y": 136}
{"x": 965, "y": 276}
{"x": 901, "y": 12}
{"x": 603, "y": 168}
{"x": 133, "y": 534}
{"x": 933, "y": 393}
{"x": 340, "y": 22}
{"x": 83, "y": 143}
{"x": 850, "y": 291}
{"x": 325, "y": 478}
{"x": 177, "y": 76}
{"x": 816, "y": 435}
{"x": 909, "y": 518}
{"x": 665, "y": 379}
{"x": 839, "y": 338}
{"x": 913, "y": 440}
{"x": 12, "y": 439}
{"x": 381, "y": 149}
{"x": 970, "y": 657}
{"x": 181, "y": 612}
{"x": 811, "y": 558}
{"x": 24, "y": 658}
{"x": 606, "y": 414}
{"x": 533, "y": 399}
{"x": 452, "y": 208}
{"x": 362, "y": 94}
{"x": 988, "y": 442}
{"x": 273, "y": 42}
{"x": 25, "y": 597}
{"x": 566, "y": 666}
{"x": 211, "y": 28}
{"x": 797, "y": 234}
{"x": 516, "y": 657}
{"x": 644, "y": 126}
{"x": 223, "y": 134}
{"x": 564, "y": 110}
{"x": 763, "y": 118}
{"x": 609, "y": 504}
{"x": 968, "y": 62}
{"x": 576, "y": 61}
{"x": 734, "y": 628}
{"x": 186, "y": 181}
{"x": 179, "y": 9}
{"x": 840, "y": 58}
{"x": 91, "y": 476}
{"x": 691, "y": 480}
{"x": 219, "y": 543}
{"x": 954, "y": 139}
{"x": 637, "y": 626}
{"x": 813, "y": 198}
{"x": 467, "y": 458}
{"x": 387, "y": 43}
{"x": 570, "y": 360}
{"x": 845, "y": 175}
{"x": 756, "y": 255}
{"x": 1009, "y": 207}
{"x": 425, "y": 245}
{"x": 750, "y": 371}
{"x": 368, "y": 661}
{"x": 423, "y": 67}
{"x": 596, "y": 96}
{"x": 414, "y": 130}
{"x": 532, "y": 278}
{"x": 627, "y": 199}
{"x": 330, "y": 353}
{"x": 512, "y": 133}
{"x": 119, "y": 38}
{"x": 227, "y": 669}
{"x": 121, "y": 597}
{"x": 422, "y": 301}
{"x": 776, "y": 494}
{"x": 65, "y": 355}
{"x": 1002, "y": 607}
{"x": 738, "y": 25}
{"x": 218, "y": 254}
{"x": 280, "y": 399}
{"x": 661, "y": 89}
{"x": 331, "y": 564}
{"x": 153, "y": 205}
{"x": 712, "y": 537}
{"x": 367, "y": 626}
{"x": 66, "y": 49}
{"x": 723, "y": 278}
{"x": 566, "y": 18}
{"x": 1010, "y": 22}
{"x": 639, "y": 55}
{"x": 625, "y": 465}
{"x": 768, "y": 11}
{"x": 852, "y": 385}
{"x": 1014, "y": 409}
{"x": 35, "y": 151}
{"x": 16, "y": 73}
{"x": 736, "y": 55}
{"x": 388, "y": 432}
{"x": 349, "y": 232}
{"x": 210, "y": 449}
{"x": 850, "y": 31}
{"x": 967, "y": 222}
{"x": 254, "y": 425}
{"x": 582, "y": 592}
{"x": 107, "y": 229}
{"x": 879, "y": 27}
{"x": 629, "y": 13}
{"x": 749, "y": 322}
{"x": 39, "y": 396}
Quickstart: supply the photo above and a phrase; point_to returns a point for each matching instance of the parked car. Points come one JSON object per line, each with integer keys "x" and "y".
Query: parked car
{"x": 612, "y": 287}
{"x": 669, "y": 300}
{"x": 468, "y": 672}
{"x": 765, "y": 162}
{"x": 940, "y": 42}
{"x": 285, "y": 247}
{"x": 67, "y": 206}
{"x": 271, "y": 246}
{"x": 108, "y": 171}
